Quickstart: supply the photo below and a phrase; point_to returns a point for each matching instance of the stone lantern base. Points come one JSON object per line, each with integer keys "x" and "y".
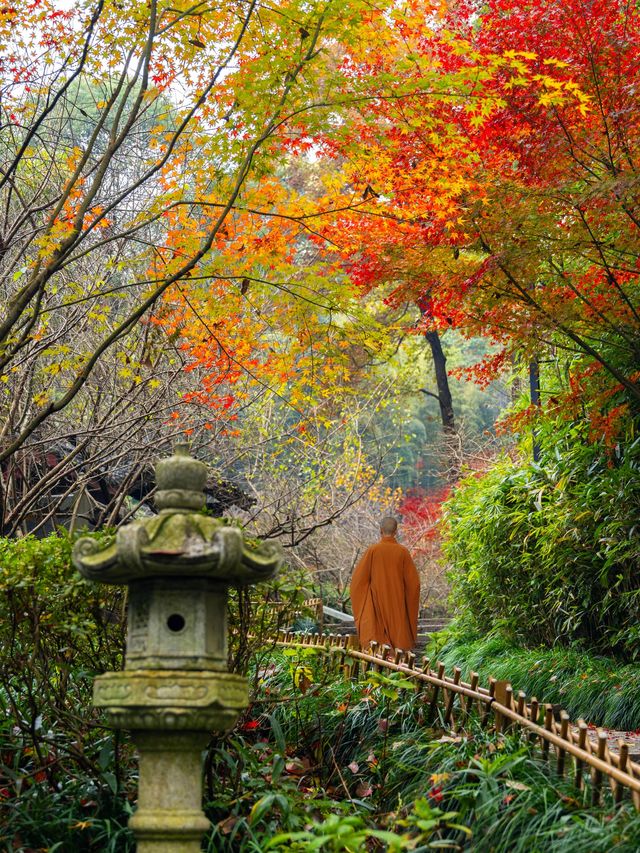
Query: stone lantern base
{"x": 171, "y": 715}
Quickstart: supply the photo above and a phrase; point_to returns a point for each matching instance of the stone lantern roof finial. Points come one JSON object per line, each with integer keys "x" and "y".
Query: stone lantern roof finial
{"x": 181, "y": 480}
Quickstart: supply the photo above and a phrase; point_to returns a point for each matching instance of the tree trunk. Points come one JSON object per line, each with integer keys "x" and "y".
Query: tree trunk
{"x": 442, "y": 382}
{"x": 534, "y": 389}
{"x": 446, "y": 406}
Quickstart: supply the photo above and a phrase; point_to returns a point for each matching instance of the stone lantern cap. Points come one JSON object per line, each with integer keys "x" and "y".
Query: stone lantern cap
{"x": 179, "y": 542}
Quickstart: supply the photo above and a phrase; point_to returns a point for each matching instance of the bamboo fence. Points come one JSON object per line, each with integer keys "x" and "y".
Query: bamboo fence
{"x": 455, "y": 700}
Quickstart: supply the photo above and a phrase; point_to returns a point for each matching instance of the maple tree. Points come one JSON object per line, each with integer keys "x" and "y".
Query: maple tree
{"x": 147, "y": 226}
{"x": 75, "y": 202}
{"x": 507, "y": 206}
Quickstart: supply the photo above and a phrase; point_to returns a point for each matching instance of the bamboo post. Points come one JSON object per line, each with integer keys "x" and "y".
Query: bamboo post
{"x": 582, "y": 744}
{"x": 635, "y": 795}
{"x": 343, "y": 650}
{"x": 487, "y": 709}
{"x": 434, "y": 698}
{"x": 421, "y": 686}
{"x": 596, "y": 775}
{"x": 548, "y": 724}
{"x": 564, "y": 728}
{"x": 448, "y": 713}
{"x": 354, "y": 672}
{"x": 508, "y": 701}
{"x": 372, "y": 649}
{"x": 500, "y": 695}
{"x": 378, "y": 653}
{"x": 534, "y": 714}
{"x": 335, "y": 658}
{"x": 473, "y": 684}
{"x": 623, "y": 752}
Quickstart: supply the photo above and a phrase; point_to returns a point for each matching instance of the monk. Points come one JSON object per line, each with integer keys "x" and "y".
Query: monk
{"x": 385, "y": 592}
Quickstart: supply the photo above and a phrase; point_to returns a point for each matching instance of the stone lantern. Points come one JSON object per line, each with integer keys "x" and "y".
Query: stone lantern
{"x": 175, "y": 688}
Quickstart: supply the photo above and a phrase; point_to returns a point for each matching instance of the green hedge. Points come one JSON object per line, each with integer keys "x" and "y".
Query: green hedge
{"x": 549, "y": 552}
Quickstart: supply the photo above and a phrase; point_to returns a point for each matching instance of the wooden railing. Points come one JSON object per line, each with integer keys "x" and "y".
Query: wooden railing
{"x": 455, "y": 700}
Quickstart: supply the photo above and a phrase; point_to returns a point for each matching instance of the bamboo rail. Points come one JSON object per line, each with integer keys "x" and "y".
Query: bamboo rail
{"x": 545, "y": 726}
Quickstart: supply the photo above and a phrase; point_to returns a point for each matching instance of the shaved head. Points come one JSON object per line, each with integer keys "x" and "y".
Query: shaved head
{"x": 388, "y": 526}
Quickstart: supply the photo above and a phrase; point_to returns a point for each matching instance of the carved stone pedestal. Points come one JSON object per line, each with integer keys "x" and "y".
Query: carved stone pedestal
{"x": 169, "y": 817}
{"x": 170, "y": 714}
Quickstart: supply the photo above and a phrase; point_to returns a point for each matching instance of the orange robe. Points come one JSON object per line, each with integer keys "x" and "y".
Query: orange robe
{"x": 385, "y": 594}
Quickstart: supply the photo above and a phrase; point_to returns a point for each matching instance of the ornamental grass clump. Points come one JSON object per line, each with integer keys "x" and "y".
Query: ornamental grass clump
{"x": 599, "y": 689}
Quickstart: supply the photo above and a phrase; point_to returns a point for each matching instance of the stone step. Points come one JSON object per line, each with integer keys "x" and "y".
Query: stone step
{"x": 424, "y": 631}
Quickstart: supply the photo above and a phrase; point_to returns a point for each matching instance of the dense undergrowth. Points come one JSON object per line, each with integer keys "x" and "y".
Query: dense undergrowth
{"x": 601, "y": 690}
{"x": 369, "y": 753}
{"x": 323, "y": 763}
{"x": 318, "y": 763}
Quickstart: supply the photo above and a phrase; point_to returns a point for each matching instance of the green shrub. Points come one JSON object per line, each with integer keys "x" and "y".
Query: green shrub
{"x": 59, "y": 767}
{"x": 549, "y": 552}
{"x": 56, "y": 632}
